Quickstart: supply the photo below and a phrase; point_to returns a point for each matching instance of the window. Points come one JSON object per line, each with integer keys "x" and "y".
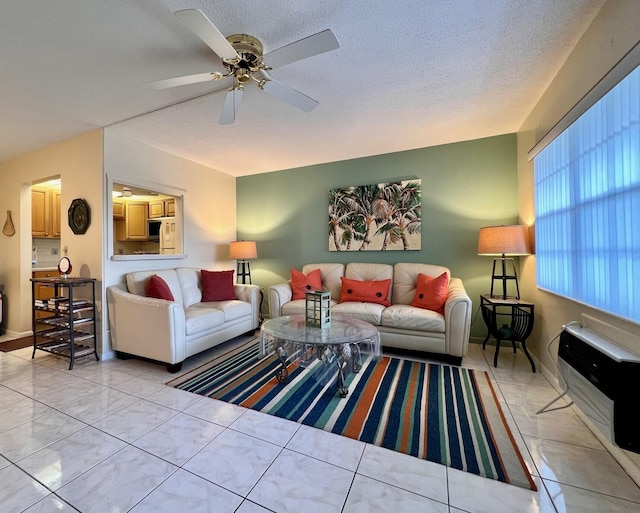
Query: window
{"x": 587, "y": 202}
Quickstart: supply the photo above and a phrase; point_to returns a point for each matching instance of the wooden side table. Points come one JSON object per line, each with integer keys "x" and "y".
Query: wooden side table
{"x": 507, "y": 319}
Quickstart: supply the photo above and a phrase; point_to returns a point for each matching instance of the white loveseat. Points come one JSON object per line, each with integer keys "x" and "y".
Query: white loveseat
{"x": 400, "y": 325}
{"x": 171, "y": 331}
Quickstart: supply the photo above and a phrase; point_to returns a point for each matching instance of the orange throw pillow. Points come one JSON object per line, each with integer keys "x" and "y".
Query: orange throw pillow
{"x": 365, "y": 291}
{"x": 431, "y": 293}
{"x": 217, "y": 285}
{"x": 301, "y": 283}
{"x": 156, "y": 287}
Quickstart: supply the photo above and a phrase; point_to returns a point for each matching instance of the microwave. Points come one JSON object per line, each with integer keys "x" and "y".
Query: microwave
{"x": 154, "y": 229}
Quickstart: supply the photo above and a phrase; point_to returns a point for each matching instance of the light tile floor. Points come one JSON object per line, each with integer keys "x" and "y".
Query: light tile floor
{"x": 112, "y": 437}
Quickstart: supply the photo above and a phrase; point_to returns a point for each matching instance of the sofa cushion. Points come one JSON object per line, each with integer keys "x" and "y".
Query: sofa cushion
{"x": 137, "y": 282}
{"x": 405, "y": 278}
{"x": 330, "y": 274}
{"x": 217, "y": 285}
{"x": 368, "y": 312}
{"x": 198, "y": 320}
{"x": 189, "y": 278}
{"x": 231, "y": 310}
{"x": 412, "y": 318}
{"x": 376, "y": 291}
{"x": 369, "y": 272}
{"x": 158, "y": 288}
{"x": 302, "y": 283}
{"x": 431, "y": 293}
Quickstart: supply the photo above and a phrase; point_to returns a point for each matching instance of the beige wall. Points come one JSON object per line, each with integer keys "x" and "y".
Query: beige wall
{"x": 78, "y": 162}
{"x": 83, "y": 164}
{"x": 612, "y": 34}
{"x": 209, "y": 207}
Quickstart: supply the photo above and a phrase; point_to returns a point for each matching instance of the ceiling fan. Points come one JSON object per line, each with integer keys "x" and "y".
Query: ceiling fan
{"x": 242, "y": 57}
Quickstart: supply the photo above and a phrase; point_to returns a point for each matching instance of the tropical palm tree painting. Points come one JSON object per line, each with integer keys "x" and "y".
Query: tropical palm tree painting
{"x": 379, "y": 217}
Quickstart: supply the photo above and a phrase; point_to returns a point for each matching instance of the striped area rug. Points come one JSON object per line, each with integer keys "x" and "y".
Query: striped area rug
{"x": 446, "y": 414}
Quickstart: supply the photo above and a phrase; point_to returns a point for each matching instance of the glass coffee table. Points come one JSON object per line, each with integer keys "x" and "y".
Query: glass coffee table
{"x": 340, "y": 344}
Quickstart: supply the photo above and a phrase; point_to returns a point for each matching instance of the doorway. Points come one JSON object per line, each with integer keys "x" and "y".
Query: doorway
{"x": 46, "y": 222}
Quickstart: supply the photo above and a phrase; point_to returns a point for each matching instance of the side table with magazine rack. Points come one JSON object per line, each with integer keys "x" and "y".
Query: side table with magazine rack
{"x": 507, "y": 319}
{"x": 67, "y": 323}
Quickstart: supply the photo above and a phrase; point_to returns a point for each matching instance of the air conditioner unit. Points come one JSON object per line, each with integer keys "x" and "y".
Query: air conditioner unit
{"x": 603, "y": 381}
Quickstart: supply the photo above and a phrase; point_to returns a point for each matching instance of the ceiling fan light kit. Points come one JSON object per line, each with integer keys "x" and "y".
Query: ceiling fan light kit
{"x": 242, "y": 57}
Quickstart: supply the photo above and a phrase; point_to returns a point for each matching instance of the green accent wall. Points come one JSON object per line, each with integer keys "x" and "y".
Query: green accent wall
{"x": 465, "y": 186}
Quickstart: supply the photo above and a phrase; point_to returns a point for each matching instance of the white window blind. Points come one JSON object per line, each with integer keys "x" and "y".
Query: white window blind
{"x": 587, "y": 202}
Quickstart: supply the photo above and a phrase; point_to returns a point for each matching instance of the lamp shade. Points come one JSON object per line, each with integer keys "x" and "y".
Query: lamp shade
{"x": 243, "y": 250}
{"x": 504, "y": 240}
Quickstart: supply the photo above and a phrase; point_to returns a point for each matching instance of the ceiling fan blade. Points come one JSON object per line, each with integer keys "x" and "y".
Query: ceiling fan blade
{"x": 290, "y": 95}
{"x": 178, "y": 81}
{"x": 197, "y": 21}
{"x": 321, "y": 42}
{"x": 230, "y": 108}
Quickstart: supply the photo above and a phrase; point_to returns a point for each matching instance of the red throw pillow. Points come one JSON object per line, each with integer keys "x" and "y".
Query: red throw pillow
{"x": 365, "y": 291}
{"x": 156, "y": 287}
{"x": 217, "y": 285}
{"x": 301, "y": 283}
{"x": 431, "y": 293}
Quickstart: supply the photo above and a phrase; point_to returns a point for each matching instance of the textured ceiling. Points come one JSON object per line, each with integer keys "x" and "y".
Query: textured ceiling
{"x": 408, "y": 74}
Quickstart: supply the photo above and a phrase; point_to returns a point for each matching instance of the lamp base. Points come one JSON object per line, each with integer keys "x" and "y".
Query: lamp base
{"x": 244, "y": 272}
{"x": 504, "y": 277}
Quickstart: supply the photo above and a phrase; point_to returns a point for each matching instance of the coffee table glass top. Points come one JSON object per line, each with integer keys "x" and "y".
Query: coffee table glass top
{"x": 338, "y": 345}
{"x": 343, "y": 330}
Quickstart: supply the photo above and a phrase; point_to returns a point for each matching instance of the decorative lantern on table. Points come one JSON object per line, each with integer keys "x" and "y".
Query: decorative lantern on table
{"x": 318, "y": 309}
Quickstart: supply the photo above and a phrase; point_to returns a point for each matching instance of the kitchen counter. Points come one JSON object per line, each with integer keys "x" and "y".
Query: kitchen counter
{"x": 45, "y": 268}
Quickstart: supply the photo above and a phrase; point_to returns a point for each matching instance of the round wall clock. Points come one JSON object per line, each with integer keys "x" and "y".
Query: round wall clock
{"x": 79, "y": 216}
{"x": 64, "y": 266}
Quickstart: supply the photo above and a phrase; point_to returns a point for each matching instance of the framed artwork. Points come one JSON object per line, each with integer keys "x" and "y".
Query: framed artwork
{"x": 378, "y": 217}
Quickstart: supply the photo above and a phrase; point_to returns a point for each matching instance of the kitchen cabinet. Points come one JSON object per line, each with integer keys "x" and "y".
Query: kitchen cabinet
{"x": 156, "y": 209}
{"x": 118, "y": 209}
{"x": 41, "y": 292}
{"x": 68, "y": 325}
{"x": 45, "y": 213}
{"x": 170, "y": 207}
{"x": 162, "y": 208}
{"x": 134, "y": 225}
{"x": 40, "y": 212}
{"x": 56, "y": 213}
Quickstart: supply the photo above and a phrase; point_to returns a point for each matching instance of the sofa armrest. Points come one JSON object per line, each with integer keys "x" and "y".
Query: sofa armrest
{"x": 145, "y": 326}
{"x": 457, "y": 315}
{"x": 278, "y": 295}
{"x": 251, "y": 295}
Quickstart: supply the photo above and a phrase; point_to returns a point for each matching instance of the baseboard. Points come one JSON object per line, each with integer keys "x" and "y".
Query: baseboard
{"x": 620, "y": 455}
{"x": 476, "y": 340}
{"x": 10, "y": 334}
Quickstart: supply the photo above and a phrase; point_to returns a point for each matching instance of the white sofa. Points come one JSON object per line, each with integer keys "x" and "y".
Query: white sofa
{"x": 400, "y": 325}
{"x": 170, "y": 331}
